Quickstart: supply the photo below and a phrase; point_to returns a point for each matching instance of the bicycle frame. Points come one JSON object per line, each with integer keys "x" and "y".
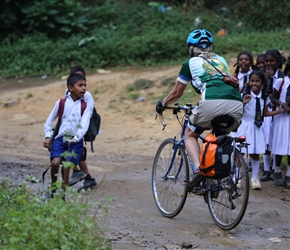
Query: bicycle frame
{"x": 187, "y": 108}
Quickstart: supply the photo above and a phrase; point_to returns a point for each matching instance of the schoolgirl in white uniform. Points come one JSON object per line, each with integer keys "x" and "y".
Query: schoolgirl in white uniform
{"x": 252, "y": 120}
{"x": 281, "y": 127}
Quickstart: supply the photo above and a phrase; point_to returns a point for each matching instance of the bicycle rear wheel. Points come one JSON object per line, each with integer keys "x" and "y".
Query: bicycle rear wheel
{"x": 228, "y": 198}
{"x": 168, "y": 180}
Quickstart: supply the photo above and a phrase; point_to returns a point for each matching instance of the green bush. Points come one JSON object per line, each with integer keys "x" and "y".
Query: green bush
{"x": 130, "y": 33}
{"x": 27, "y": 222}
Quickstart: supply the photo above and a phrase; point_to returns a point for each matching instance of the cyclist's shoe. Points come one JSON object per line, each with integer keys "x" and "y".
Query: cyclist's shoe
{"x": 194, "y": 184}
{"x": 278, "y": 179}
{"x": 76, "y": 177}
{"x": 266, "y": 176}
{"x": 89, "y": 184}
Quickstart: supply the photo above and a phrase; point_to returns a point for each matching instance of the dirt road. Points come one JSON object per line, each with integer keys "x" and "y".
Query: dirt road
{"x": 122, "y": 165}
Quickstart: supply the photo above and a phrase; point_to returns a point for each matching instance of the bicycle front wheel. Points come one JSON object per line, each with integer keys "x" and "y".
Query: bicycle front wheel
{"x": 169, "y": 173}
{"x": 228, "y": 198}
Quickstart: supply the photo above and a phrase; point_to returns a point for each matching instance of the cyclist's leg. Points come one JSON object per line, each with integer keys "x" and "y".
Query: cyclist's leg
{"x": 192, "y": 146}
{"x": 193, "y": 149}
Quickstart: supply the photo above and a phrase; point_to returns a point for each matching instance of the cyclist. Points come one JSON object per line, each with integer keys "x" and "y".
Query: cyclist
{"x": 217, "y": 97}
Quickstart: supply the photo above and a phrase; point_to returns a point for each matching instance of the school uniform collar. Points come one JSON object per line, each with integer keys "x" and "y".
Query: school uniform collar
{"x": 241, "y": 75}
{"x": 275, "y": 76}
{"x": 255, "y": 96}
{"x": 68, "y": 95}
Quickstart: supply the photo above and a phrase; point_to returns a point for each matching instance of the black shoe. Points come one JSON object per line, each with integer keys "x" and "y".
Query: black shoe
{"x": 287, "y": 182}
{"x": 194, "y": 184}
{"x": 278, "y": 179}
{"x": 266, "y": 176}
{"x": 90, "y": 184}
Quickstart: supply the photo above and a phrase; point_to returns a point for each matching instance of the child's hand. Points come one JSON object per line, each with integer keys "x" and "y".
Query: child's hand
{"x": 46, "y": 142}
{"x": 281, "y": 108}
{"x": 286, "y": 107}
{"x": 247, "y": 98}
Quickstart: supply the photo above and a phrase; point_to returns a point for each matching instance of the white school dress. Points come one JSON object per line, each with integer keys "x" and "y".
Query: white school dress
{"x": 254, "y": 135}
{"x": 281, "y": 123}
{"x": 241, "y": 77}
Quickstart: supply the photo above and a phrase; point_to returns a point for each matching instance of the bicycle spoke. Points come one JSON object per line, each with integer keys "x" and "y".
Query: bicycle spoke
{"x": 169, "y": 189}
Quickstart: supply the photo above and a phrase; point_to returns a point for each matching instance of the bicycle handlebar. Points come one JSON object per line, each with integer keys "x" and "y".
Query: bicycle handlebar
{"x": 177, "y": 108}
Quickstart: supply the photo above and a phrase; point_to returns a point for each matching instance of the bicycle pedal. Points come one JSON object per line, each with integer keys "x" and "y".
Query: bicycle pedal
{"x": 198, "y": 191}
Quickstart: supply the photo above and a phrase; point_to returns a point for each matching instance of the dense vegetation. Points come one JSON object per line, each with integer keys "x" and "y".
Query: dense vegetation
{"x": 28, "y": 222}
{"x": 48, "y": 37}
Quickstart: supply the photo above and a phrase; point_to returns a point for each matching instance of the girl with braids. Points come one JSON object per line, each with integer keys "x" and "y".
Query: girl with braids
{"x": 244, "y": 67}
{"x": 273, "y": 62}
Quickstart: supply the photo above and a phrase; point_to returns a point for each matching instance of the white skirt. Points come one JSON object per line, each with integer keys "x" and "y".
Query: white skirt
{"x": 254, "y": 136}
{"x": 280, "y": 144}
{"x": 267, "y": 123}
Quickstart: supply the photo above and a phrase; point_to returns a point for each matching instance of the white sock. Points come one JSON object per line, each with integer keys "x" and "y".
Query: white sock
{"x": 266, "y": 159}
{"x": 288, "y": 170}
{"x": 277, "y": 169}
{"x": 255, "y": 168}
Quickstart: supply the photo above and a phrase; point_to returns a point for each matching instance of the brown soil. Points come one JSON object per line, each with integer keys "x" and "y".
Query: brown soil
{"x": 122, "y": 161}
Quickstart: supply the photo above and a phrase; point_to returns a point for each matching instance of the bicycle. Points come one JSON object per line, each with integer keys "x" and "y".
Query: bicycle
{"x": 227, "y": 198}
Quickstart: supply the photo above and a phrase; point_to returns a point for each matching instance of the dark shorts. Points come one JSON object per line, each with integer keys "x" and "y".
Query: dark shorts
{"x": 58, "y": 148}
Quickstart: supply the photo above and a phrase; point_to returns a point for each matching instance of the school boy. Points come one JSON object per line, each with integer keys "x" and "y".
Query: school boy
{"x": 71, "y": 131}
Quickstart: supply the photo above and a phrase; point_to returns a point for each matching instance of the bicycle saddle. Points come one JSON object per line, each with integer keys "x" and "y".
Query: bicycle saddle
{"x": 220, "y": 123}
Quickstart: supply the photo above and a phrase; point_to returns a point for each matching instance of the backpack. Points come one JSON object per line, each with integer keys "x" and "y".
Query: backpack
{"x": 93, "y": 129}
{"x": 94, "y": 126}
{"x": 215, "y": 156}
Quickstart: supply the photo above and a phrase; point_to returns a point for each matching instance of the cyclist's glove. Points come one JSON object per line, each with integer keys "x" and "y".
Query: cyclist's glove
{"x": 159, "y": 107}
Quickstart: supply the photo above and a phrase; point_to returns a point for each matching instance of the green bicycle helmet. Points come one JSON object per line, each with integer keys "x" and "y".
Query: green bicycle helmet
{"x": 201, "y": 38}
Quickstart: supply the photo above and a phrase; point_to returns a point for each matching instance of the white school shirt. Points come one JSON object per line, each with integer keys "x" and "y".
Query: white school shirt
{"x": 277, "y": 86}
{"x": 72, "y": 122}
{"x": 241, "y": 76}
{"x": 87, "y": 97}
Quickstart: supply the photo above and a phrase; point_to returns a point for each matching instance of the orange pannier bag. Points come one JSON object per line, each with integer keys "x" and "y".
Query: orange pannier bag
{"x": 215, "y": 156}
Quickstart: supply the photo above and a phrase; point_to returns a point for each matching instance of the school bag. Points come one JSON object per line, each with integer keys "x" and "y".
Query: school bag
{"x": 215, "y": 156}
{"x": 94, "y": 126}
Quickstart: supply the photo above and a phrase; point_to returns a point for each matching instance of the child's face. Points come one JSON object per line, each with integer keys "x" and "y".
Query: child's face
{"x": 255, "y": 84}
{"x": 271, "y": 64}
{"x": 244, "y": 63}
{"x": 261, "y": 64}
{"x": 78, "y": 90}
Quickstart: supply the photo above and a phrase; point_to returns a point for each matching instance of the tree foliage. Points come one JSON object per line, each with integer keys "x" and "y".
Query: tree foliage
{"x": 48, "y": 37}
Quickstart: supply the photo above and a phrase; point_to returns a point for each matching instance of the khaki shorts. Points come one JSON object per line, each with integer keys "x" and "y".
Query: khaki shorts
{"x": 206, "y": 110}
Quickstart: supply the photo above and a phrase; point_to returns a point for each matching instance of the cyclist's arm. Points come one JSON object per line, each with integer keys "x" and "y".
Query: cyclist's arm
{"x": 175, "y": 93}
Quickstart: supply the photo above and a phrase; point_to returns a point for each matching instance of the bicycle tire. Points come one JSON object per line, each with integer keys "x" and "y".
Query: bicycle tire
{"x": 227, "y": 201}
{"x": 170, "y": 193}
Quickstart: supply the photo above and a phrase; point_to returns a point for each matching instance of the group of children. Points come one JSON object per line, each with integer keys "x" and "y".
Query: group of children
{"x": 265, "y": 121}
